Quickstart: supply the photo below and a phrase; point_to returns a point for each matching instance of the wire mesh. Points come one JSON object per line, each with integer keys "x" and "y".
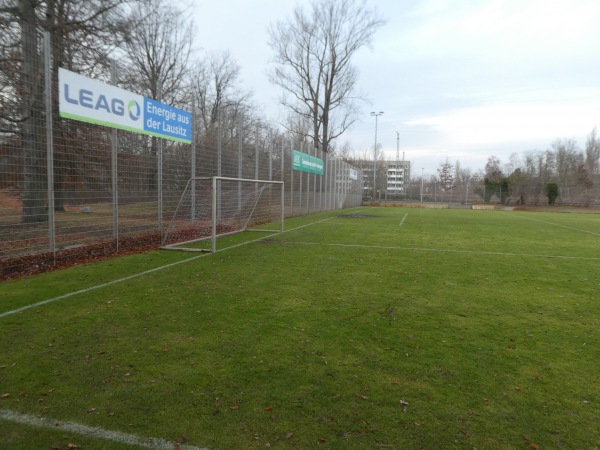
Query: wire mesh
{"x": 71, "y": 190}
{"x": 217, "y": 206}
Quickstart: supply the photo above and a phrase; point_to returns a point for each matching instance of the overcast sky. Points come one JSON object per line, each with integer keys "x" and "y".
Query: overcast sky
{"x": 458, "y": 79}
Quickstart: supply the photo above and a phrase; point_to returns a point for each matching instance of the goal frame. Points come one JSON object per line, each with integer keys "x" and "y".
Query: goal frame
{"x": 214, "y": 208}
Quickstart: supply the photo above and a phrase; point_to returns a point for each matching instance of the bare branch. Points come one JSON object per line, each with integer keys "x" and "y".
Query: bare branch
{"x": 312, "y": 62}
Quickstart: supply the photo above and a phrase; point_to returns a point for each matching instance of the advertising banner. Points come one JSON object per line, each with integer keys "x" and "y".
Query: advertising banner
{"x": 306, "y": 163}
{"x": 92, "y": 101}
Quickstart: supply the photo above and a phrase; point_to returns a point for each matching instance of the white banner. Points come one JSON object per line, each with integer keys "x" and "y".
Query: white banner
{"x": 88, "y": 100}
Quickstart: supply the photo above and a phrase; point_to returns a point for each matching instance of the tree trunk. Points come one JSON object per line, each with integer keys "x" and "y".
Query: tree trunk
{"x": 34, "y": 173}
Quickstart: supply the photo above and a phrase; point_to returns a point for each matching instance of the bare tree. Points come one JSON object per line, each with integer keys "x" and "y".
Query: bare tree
{"x": 493, "y": 172}
{"x": 214, "y": 85}
{"x": 445, "y": 174}
{"x": 592, "y": 154}
{"x": 461, "y": 174}
{"x": 82, "y": 33}
{"x": 568, "y": 161}
{"x": 30, "y": 89}
{"x": 159, "y": 48}
{"x": 313, "y": 62}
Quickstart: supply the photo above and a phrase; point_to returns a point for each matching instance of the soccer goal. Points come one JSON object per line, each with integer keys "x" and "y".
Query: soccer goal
{"x": 212, "y": 207}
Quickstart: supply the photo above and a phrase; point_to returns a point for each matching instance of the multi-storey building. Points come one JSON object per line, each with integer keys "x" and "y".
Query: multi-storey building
{"x": 392, "y": 178}
{"x": 398, "y": 175}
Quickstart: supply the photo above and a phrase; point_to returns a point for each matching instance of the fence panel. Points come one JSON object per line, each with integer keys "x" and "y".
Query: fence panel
{"x": 72, "y": 190}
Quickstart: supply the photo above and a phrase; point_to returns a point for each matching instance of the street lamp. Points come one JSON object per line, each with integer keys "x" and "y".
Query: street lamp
{"x": 376, "y": 114}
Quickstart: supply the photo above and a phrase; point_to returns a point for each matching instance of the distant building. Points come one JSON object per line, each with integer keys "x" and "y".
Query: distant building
{"x": 398, "y": 175}
{"x": 392, "y": 178}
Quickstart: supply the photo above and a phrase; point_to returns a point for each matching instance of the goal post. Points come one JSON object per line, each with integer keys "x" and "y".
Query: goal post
{"x": 213, "y": 207}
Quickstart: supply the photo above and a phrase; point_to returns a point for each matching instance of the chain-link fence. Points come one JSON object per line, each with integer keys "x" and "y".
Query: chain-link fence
{"x": 69, "y": 188}
{"x": 477, "y": 192}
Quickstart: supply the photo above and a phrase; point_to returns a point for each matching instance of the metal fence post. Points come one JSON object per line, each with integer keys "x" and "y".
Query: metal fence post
{"x": 270, "y": 144}
{"x": 49, "y": 144}
{"x": 240, "y": 159}
{"x": 193, "y": 168}
{"x": 292, "y": 179}
{"x": 114, "y": 168}
{"x": 256, "y": 163}
{"x": 159, "y": 171}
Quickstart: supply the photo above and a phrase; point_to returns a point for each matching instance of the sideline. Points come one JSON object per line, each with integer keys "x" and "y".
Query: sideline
{"x": 403, "y": 219}
{"x": 94, "y": 432}
{"x": 146, "y": 272}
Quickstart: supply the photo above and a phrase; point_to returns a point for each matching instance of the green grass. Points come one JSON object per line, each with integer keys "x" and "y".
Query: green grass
{"x": 458, "y": 329}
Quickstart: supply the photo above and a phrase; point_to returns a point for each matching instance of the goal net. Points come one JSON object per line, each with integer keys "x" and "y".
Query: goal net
{"x": 212, "y": 207}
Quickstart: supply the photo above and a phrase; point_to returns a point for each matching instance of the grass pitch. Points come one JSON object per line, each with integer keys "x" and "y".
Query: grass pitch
{"x": 368, "y": 328}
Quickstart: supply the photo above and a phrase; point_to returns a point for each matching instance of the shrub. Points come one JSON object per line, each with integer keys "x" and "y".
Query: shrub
{"x": 552, "y": 192}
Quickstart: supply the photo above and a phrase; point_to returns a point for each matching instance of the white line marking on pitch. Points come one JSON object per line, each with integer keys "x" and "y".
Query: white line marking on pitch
{"x": 95, "y": 432}
{"x": 146, "y": 272}
{"x": 416, "y": 249}
{"x": 558, "y": 225}
{"x": 403, "y": 219}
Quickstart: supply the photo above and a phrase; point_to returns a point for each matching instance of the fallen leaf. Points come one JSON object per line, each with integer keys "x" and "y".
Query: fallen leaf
{"x": 269, "y": 409}
{"x": 5, "y": 395}
{"x": 364, "y": 397}
{"x": 70, "y": 446}
{"x": 234, "y": 407}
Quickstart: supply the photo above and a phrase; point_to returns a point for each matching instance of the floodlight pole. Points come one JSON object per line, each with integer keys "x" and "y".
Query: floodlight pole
{"x": 376, "y": 115}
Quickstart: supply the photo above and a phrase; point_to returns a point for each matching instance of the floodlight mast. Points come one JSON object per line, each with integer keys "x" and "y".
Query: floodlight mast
{"x": 376, "y": 115}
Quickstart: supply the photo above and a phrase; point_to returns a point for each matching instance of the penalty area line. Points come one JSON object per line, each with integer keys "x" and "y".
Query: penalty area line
{"x": 557, "y": 225}
{"x": 94, "y": 432}
{"x": 438, "y": 250}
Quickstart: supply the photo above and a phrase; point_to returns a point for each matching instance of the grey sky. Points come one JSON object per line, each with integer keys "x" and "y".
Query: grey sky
{"x": 458, "y": 79}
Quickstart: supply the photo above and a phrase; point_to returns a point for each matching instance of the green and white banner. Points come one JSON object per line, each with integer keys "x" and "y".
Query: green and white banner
{"x": 306, "y": 163}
